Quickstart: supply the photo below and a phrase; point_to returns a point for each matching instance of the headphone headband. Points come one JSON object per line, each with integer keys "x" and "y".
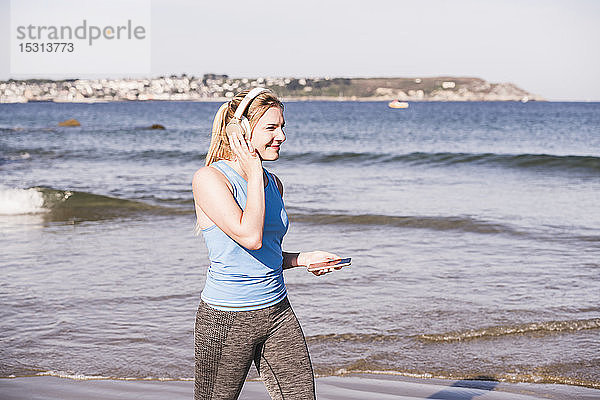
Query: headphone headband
{"x": 246, "y": 100}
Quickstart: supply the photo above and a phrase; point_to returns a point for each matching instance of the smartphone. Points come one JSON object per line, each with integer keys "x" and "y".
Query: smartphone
{"x": 340, "y": 262}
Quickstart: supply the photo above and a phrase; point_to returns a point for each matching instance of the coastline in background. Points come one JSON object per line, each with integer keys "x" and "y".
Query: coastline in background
{"x": 212, "y": 87}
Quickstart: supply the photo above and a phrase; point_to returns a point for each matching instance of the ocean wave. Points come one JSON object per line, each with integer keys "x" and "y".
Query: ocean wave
{"x": 506, "y": 330}
{"x": 547, "y": 327}
{"x": 461, "y": 223}
{"x": 441, "y": 223}
{"x": 7, "y": 129}
{"x": 19, "y": 156}
{"x": 63, "y": 205}
{"x": 476, "y": 381}
{"x": 524, "y": 161}
{"x": 364, "y": 366}
{"x": 84, "y": 377}
{"x": 153, "y": 155}
{"x": 70, "y": 205}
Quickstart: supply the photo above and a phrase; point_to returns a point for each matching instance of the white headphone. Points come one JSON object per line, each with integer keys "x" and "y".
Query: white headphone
{"x": 239, "y": 123}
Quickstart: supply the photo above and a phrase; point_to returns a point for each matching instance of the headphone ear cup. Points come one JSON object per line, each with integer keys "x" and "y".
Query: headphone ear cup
{"x": 232, "y": 128}
{"x": 245, "y": 125}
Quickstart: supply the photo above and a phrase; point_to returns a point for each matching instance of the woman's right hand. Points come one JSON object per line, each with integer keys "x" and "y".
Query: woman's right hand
{"x": 247, "y": 156}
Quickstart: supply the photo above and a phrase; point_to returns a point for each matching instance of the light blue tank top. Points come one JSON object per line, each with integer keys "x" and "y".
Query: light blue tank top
{"x": 239, "y": 279}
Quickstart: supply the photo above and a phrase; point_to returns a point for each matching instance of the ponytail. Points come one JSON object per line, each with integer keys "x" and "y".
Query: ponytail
{"x": 219, "y": 143}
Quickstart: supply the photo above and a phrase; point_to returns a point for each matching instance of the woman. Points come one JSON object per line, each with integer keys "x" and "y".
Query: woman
{"x": 244, "y": 314}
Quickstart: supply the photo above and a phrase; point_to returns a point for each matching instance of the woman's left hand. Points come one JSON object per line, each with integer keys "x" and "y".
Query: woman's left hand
{"x": 313, "y": 257}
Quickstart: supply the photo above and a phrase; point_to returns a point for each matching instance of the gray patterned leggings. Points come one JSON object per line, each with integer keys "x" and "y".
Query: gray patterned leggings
{"x": 226, "y": 343}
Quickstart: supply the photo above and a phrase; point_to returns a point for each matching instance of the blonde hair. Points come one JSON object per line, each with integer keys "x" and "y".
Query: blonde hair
{"x": 219, "y": 144}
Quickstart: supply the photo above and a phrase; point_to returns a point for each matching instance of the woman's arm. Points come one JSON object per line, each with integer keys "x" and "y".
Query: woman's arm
{"x": 216, "y": 200}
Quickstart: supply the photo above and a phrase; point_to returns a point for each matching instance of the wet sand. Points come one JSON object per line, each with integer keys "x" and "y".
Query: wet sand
{"x": 355, "y": 386}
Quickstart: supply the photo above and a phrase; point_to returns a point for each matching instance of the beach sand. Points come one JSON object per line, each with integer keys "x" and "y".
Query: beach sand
{"x": 353, "y": 387}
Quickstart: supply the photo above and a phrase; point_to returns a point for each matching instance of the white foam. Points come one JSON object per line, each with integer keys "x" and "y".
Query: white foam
{"x": 62, "y": 374}
{"x": 83, "y": 377}
{"x": 21, "y": 201}
{"x": 425, "y": 375}
{"x": 22, "y": 156}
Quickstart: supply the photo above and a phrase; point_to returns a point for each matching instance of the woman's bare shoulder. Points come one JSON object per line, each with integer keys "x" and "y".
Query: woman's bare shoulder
{"x": 208, "y": 177}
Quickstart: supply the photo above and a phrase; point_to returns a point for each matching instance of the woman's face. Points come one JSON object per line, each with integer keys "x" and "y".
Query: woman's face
{"x": 268, "y": 135}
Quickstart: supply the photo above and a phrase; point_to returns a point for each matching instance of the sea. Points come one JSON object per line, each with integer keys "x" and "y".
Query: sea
{"x": 473, "y": 228}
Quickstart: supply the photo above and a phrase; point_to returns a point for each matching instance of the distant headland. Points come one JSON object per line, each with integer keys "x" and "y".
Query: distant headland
{"x": 214, "y": 87}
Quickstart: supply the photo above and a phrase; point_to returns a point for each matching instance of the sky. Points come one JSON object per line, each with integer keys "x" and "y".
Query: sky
{"x": 547, "y": 47}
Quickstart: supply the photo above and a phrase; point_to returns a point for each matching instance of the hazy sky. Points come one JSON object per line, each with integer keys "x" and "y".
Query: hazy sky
{"x": 551, "y": 48}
